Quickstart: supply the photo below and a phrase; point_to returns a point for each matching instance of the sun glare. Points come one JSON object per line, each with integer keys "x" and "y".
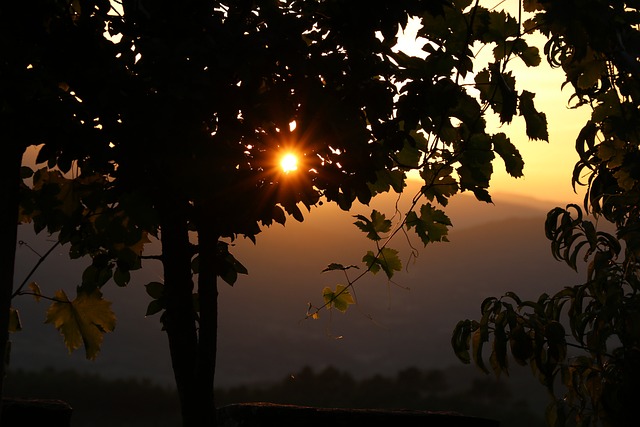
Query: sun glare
{"x": 289, "y": 163}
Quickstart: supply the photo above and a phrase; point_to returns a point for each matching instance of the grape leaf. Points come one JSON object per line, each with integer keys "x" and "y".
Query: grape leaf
{"x": 340, "y": 299}
{"x": 377, "y": 224}
{"x": 509, "y": 153}
{"x": 431, "y": 226}
{"x": 336, "y": 266}
{"x": 82, "y": 321}
{"x": 440, "y": 184}
{"x": 387, "y": 260}
{"x": 536, "y": 122}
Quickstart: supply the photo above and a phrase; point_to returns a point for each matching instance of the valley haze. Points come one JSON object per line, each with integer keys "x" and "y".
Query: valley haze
{"x": 263, "y": 334}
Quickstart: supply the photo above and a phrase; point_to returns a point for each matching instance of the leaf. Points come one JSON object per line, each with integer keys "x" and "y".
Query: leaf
{"x": 154, "y": 289}
{"x": 431, "y": 226}
{"x": 82, "y": 321}
{"x": 478, "y": 338}
{"x": 154, "y": 307}
{"x": 530, "y": 56}
{"x": 590, "y": 73}
{"x": 512, "y": 159}
{"x": 536, "y": 122}
{"x": 439, "y": 183}
{"x": 498, "y": 357}
{"x": 387, "y": 260}
{"x": 335, "y": 266}
{"x": 409, "y": 156}
{"x": 475, "y": 168}
{"x": 278, "y": 215}
{"x": 531, "y": 5}
{"x": 377, "y": 224}
{"x": 138, "y": 247}
{"x": 121, "y": 276}
{"x": 35, "y": 289}
{"x": 501, "y": 27}
{"x": 14, "y": 321}
{"x": 460, "y": 340}
{"x": 340, "y": 299}
{"x": 386, "y": 179}
{"x": 228, "y": 266}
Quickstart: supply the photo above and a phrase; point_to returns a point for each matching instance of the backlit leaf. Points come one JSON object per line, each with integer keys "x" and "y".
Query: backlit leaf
{"x": 340, "y": 298}
{"x": 536, "y": 122}
{"x": 387, "y": 260}
{"x": 35, "y": 289}
{"x": 377, "y": 224}
{"x": 82, "y": 321}
{"x": 439, "y": 183}
{"x": 432, "y": 224}
{"x": 512, "y": 159}
{"x": 530, "y": 56}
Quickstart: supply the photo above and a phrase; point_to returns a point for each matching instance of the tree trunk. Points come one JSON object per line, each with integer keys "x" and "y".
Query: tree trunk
{"x": 179, "y": 317}
{"x": 208, "y": 299}
{"x": 10, "y": 164}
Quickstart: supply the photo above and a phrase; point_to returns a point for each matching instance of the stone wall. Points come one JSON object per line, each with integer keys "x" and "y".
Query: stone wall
{"x": 55, "y": 413}
{"x": 28, "y": 413}
{"x": 270, "y": 415}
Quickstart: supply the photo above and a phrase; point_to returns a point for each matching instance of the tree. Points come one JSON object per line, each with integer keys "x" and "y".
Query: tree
{"x": 192, "y": 106}
{"x": 583, "y": 342}
{"x": 36, "y": 108}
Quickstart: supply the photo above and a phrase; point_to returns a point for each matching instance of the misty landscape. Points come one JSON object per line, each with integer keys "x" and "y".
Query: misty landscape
{"x": 263, "y": 334}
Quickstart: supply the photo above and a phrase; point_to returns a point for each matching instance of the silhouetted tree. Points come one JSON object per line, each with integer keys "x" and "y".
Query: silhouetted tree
{"x": 37, "y": 107}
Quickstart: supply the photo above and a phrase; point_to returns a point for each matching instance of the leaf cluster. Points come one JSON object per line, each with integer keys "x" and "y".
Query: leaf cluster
{"x": 582, "y": 343}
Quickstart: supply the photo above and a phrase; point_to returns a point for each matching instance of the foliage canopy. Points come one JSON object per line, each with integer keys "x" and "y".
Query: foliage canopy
{"x": 583, "y": 342}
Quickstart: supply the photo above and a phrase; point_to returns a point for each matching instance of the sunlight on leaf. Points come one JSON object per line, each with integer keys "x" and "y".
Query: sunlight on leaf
{"x": 340, "y": 298}
{"x": 388, "y": 260}
{"x": 82, "y": 321}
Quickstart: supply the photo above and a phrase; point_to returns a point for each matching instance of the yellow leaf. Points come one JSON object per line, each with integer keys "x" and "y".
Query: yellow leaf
{"x": 33, "y": 286}
{"x": 340, "y": 299}
{"x": 14, "y": 321}
{"x": 82, "y": 321}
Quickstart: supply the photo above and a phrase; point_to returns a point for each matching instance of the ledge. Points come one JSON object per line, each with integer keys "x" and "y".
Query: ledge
{"x": 262, "y": 414}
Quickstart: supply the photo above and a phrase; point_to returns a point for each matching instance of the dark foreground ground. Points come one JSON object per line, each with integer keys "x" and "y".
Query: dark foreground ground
{"x": 99, "y": 402}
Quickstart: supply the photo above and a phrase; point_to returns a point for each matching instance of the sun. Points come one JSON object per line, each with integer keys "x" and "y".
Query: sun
{"x": 289, "y": 163}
